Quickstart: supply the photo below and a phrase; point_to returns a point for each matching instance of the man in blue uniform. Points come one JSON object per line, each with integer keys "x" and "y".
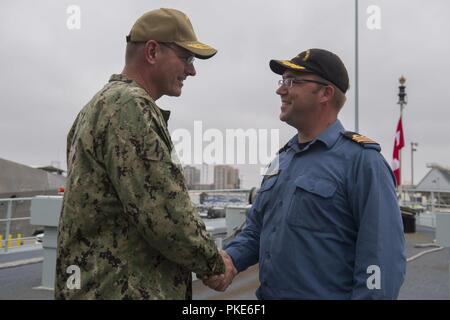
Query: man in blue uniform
{"x": 326, "y": 223}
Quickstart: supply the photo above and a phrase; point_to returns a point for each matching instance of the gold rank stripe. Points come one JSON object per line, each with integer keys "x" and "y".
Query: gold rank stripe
{"x": 362, "y": 139}
{"x": 198, "y": 46}
{"x": 289, "y": 64}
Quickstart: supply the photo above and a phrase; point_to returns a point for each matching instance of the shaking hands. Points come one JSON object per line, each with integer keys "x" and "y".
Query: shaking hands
{"x": 221, "y": 282}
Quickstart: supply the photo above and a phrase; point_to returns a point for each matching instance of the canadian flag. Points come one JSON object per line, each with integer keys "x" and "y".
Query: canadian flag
{"x": 399, "y": 143}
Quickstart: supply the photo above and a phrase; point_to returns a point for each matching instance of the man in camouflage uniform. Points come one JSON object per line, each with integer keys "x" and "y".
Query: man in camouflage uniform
{"x": 127, "y": 221}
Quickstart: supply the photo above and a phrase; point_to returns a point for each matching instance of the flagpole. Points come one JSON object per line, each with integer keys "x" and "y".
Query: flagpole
{"x": 356, "y": 69}
{"x": 402, "y": 102}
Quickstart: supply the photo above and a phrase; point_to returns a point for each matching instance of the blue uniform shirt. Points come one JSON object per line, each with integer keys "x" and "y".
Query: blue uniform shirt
{"x": 326, "y": 225}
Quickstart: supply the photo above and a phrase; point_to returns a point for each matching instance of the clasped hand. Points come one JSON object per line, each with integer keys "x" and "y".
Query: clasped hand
{"x": 222, "y": 281}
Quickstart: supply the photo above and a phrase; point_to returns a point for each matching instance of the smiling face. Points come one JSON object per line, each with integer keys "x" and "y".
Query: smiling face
{"x": 173, "y": 69}
{"x": 300, "y": 104}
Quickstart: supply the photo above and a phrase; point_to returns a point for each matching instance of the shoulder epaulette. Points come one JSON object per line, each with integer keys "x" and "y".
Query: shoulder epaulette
{"x": 362, "y": 140}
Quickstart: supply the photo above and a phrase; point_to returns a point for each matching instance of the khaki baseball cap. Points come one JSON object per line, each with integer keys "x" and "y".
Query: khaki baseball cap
{"x": 169, "y": 25}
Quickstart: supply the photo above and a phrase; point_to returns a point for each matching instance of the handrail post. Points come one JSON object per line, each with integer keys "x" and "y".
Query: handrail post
{"x": 8, "y": 223}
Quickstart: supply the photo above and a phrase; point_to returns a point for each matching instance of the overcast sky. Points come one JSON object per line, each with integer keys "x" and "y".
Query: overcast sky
{"x": 50, "y": 72}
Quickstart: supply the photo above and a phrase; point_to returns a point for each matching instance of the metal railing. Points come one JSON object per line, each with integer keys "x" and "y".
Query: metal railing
{"x": 442, "y": 208}
{"x": 427, "y": 219}
{"x": 212, "y": 204}
{"x": 216, "y": 195}
{"x": 6, "y": 240}
{"x": 216, "y": 198}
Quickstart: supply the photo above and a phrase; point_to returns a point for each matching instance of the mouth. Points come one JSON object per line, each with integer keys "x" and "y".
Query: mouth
{"x": 180, "y": 80}
{"x": 285, "y": 103}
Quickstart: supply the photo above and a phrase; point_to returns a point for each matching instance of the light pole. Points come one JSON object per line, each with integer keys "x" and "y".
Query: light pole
{"x": 413, "y": 145}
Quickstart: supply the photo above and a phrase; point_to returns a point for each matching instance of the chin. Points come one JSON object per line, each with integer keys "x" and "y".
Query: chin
{"x": 178, "y": 91}
{"x": 175, "y": 93}
{"x": 283, "y": 117}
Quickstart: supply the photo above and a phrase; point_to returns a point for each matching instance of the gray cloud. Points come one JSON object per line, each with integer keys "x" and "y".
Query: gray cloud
{"x": 50, "y": 72}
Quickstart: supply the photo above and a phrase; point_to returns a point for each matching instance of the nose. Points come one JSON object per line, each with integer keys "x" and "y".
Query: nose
{"x": 281, "y": 90}
{"x": 190, "y": 70}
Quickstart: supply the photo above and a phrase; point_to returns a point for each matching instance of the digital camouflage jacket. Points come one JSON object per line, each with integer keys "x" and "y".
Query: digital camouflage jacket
{"x": 127, "y": 220}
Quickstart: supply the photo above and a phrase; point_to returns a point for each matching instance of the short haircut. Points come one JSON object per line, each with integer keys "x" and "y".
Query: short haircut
{"x": 339, "y": 97}
{"x": 131, "y": 51}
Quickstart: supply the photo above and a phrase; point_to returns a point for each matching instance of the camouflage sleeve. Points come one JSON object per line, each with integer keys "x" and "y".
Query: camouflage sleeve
{"x": 152, "y": 191}
{"x": 70, "y": 143}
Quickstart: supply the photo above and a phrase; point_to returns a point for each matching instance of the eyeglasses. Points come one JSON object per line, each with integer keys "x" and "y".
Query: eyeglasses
{"x": 187, "y": 59}
{"x": 287, "y": 82}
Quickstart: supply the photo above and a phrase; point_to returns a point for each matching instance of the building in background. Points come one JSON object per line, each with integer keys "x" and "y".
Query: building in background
{"x": 226, "y": 177}
{"x": 191, "y": 176}
{"x": 205, "y": 174}
{"x": 21, "y": 181}
{"x": 18, "y": 180}
{"x": 433, "y": 191}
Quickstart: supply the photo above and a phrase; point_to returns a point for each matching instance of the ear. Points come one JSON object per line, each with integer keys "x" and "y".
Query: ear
{"x": 151, "y": 51}
{"x": 327, "y": 94}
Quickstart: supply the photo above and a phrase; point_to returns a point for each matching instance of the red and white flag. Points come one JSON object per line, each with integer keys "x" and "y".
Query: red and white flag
{"x": 399, "y": 143}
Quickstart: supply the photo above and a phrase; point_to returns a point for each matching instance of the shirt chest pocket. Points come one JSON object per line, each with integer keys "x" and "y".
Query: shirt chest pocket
{"x": 265, "y": 193}
{"x": 312, "y": 204}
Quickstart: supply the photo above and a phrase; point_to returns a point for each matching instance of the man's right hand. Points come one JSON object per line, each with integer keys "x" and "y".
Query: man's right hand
{"x": 221, "y": 282}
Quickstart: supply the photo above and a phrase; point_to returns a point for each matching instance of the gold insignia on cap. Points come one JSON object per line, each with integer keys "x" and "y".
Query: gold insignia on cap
{"x": 306, "y": 55}
{"x": 289, "y": 64}
{"x": 198, "y": 46}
